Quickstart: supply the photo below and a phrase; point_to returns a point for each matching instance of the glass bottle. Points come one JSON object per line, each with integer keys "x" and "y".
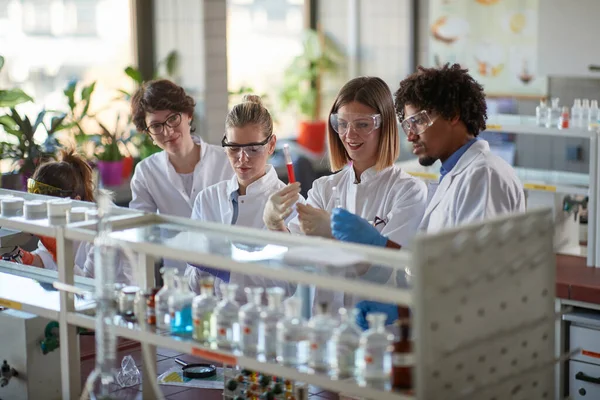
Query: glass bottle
{"x": 249, "y": 317}
{"x": 269, "y": 317}
{"x": 553, "y": 114}
{"x": 541, "y": 113}
{"x": 163, "y": 320}
{"x": 576, "y": 114}
{"x": 180, "y": 309}
{"x": 402, "y": 353}
{"x": 320, "y": 331}
{"x": 585, "y": 110}
{"x": 346, "y": 339}
{"x": 563, "y": 122}
{"x": 203, "y": 307}
{"x": 375, "y": 344}
{"x": 593, "y": 120}
{"x": 225, "y": 318}
{"x": 292, "y": 335}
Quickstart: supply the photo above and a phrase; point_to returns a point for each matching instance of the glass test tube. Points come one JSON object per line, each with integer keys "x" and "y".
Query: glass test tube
{"x": 288, "y": 163}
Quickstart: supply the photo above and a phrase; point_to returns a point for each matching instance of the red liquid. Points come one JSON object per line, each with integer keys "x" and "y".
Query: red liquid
{"x": 291, "y": 176}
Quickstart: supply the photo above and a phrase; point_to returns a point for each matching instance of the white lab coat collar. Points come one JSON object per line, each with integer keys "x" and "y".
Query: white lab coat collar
{"x": 260, "y": 186}
{"x": 367, "y": 175}
{"x": 174, "y": 177}
{"x": 480, "y": 146}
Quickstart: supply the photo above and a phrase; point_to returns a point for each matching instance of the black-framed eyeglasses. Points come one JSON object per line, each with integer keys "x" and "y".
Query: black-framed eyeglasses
{"x": 157, "y": 128}
{"x": 250, "y": 149}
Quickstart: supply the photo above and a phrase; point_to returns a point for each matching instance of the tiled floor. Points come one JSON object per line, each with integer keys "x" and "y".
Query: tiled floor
{"x": 166, "y": 360}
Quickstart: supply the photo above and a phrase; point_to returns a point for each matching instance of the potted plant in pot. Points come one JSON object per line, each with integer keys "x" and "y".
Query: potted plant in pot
{"x": 301, "y": 87}
{"x": 109, "y": 156}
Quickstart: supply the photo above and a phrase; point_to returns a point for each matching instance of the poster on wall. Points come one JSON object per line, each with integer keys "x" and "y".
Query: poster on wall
{"x": 495, "y": 39}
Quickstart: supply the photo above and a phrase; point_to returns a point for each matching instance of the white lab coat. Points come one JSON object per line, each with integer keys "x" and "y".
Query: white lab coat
{"x": 481, "y": 185}
{"x": 157, "y": 188}
{"x": 214, "y": 204}
{"x": 84, "y": 262}
{"x": 390, "y": 195}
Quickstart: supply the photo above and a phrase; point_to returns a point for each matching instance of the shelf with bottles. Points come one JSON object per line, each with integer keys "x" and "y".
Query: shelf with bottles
{"x": 30, "y": 289}
{"x": 368, "y": 388}
{"x": 43, "y": 215}
{"x": 527, "y": 125}
{"x": 298, "y": 259}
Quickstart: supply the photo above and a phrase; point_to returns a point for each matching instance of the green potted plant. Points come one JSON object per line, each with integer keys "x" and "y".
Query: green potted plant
{"x": 109, "y": 156}
{"x": 301, "y": 86}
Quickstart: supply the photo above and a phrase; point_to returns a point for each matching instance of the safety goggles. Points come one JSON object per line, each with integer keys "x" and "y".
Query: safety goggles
{"x": 361, "y": 124}
{"x": 157, "y": 129}
{"x": 417, "y": 123}
{"x": 36, "y": 187}
{"x": 249, "y": 149}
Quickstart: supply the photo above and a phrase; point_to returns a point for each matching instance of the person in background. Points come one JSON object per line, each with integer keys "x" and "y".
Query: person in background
{"x": 443, "y": 110}
{"x": 249, "y": 141}
{"x": 169, "y": 181}
{"x": 363, "y": 146}
{"x": 69, "y": 177}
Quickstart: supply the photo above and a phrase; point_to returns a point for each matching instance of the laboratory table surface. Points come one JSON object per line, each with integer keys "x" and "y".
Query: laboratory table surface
{"x": 576, "y": 281}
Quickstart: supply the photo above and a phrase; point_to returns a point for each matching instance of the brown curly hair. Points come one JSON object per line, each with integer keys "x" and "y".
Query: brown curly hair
{"x": 158, "y": 95}
{"x": 70, "y": 173}
{"x": 449, "y": 91}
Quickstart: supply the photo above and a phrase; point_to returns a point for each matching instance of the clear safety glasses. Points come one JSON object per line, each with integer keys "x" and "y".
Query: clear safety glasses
{"x": 251, "y": 150}
{"x": 157, "y": 129}
{"x": 417, "y": 123}
{"x": 361, "y": 124}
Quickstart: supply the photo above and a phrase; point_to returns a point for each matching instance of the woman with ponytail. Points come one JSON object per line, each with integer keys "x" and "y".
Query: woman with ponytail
{"x": 69, "y": 177}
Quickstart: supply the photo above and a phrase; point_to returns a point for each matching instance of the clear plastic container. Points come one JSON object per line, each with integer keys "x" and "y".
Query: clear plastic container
{"x": 203, "y": 307}
{"x": 346, "y": 339}
{"x": 249, "y": 318}
{"x": 553, "y": 114}
{"x": 163, "y": 320}
{"x": 225, "y": 318}
{"x": 541, "y": 113}
{"x": 593, "y": 121}
{"x": 320, "y": 331}
{"x": 269, "y": 317}
{"x": 292, "y": 335}
{"x": 180, "y": 309}
{"x": 376, "y": 346}
{"x": 576, "y": 114}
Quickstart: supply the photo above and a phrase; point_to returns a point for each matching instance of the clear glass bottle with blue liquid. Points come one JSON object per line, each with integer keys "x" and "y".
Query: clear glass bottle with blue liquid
{"x": 180, "y": 309}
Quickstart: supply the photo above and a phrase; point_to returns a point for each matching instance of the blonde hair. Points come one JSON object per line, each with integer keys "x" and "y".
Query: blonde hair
{"x": 375, "y": 93}
{"x": 250, "y": 111}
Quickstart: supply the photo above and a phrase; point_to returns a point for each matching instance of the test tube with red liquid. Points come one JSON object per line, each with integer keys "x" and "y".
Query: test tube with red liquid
{"x": 288, "y": 163}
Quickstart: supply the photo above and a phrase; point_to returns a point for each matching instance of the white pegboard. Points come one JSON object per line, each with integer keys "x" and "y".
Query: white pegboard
{"x": 484, "y": 310}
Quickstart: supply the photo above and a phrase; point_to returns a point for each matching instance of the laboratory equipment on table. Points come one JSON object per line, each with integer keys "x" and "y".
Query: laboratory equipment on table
{"x": 12, "y": 206}
{"x": 246, "y": 384}
{"x": 345, "y": 341}
{"x": 163, "y": 320}
{"x": 34, "y": 209}
{"x": 292, "y": 335}
{"x": 375, "y": 344}
{"x": 196, "y": 370}
{"x": 180, "y": 308}
{"x": 553, "y": 114}
{"x": 320, "y": 331}
{"x": 337, "y": 203}
{"x": 270, "y": 316}
{"x": 202, "y": 309}
{"x": 26, "y": 373}
{"x": 593, "y": 121}
{"x": 249, "y": 319}
{"x": 402, "y": 353}
{"x": 150, "y": 296}
{"x": 585, "y": 110}
{"x": 225, "y": 318}
{"x": 288, "y": 163}
{"x": 126, "y": 301}
{"x": 577, "y": 114}
{"x": 563, "y": 122}
{"x": 541, "y": 113}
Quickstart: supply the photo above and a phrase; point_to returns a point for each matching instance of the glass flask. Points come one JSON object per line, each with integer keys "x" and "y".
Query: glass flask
{"x": 346, "y": 339}
{"x": 203, "y": 307}
{"x": 249, "y": 318}
{"x": 320, "y": 331}
{"x": 225, "y": 318}
{"x": 292, "y": 335}
{"x": 161, "y": 300}
{"x": 376, "y": 346}
{"x": 180, "y": 309}
{"x": 270, "y": 316}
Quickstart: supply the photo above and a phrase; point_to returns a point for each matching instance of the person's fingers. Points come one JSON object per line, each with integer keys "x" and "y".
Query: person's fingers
{"x": 288, "y": 204}
{"x": 286, "y": 213}
{"x": 307, "y": 209}
{"x": 289, "y": 188}
{"x": 290, "y": 195}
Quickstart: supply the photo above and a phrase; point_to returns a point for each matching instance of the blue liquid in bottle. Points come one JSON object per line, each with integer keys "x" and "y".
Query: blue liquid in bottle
{"x": 182, "y": 324}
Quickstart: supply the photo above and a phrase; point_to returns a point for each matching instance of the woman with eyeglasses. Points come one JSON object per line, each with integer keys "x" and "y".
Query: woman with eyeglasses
{"x": 169, "y": 181}
{"x": 373, "y": 194}
{"x": 69, "y": 177}
{"x": 248, "y": 142}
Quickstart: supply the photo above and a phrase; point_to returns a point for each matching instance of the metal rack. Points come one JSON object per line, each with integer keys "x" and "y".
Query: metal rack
{"x": 484, "y": 259}
{"x": 546, "y": 181}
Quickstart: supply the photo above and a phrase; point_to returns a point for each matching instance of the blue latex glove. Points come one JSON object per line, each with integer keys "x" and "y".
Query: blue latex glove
{"x": 217, "y": 273}
{"x": 366, "y": 307}
{"x": 349, "y": 227}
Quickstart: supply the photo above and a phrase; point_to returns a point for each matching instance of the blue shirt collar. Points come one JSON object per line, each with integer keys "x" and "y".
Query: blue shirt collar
{"x": 453, "y": 159}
